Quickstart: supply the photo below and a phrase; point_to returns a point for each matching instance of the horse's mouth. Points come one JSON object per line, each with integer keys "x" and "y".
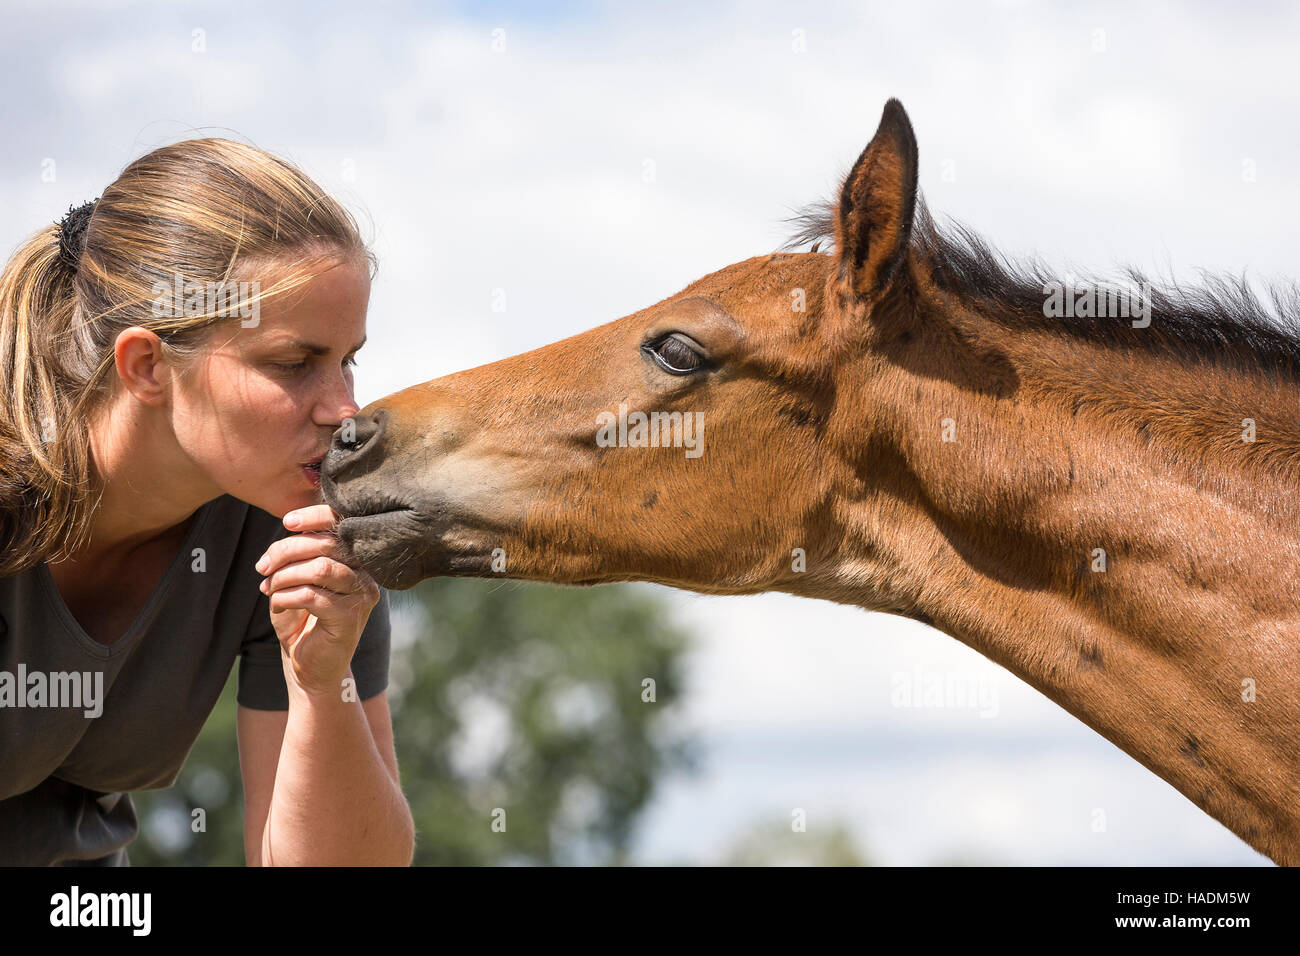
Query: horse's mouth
{"x": 377, "y": 534}
{"x": 377, "y": 525}
{"x": 388, "y": 545}
{"x": 401, "y": 532}
{"x": 401, "y": 545}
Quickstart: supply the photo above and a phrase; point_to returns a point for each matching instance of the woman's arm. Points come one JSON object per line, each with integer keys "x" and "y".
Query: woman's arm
{"x": 333, "y": 799}
{"x": 321, "y": 784}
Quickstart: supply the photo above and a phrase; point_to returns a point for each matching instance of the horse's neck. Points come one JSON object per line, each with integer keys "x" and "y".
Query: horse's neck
{"x": 1159, "y": 603}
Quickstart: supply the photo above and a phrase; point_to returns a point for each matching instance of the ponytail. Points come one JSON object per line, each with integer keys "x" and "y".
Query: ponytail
{"x": 46, "y": 485}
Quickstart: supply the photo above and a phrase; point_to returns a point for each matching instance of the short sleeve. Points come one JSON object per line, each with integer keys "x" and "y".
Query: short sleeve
{"x": 261, "y": 674}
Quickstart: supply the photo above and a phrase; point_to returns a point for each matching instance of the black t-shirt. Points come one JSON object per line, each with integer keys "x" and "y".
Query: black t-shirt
{"x": 83, "y": 723}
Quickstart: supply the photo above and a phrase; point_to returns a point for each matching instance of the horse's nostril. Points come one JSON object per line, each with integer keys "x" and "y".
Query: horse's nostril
{"x": 356, "y": 440}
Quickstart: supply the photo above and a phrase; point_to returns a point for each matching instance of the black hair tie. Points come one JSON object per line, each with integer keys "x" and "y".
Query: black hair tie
{"x": 72, "y": 233}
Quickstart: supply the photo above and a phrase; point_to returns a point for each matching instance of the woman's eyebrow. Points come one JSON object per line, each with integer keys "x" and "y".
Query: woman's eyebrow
{"x": 315, "y": 349}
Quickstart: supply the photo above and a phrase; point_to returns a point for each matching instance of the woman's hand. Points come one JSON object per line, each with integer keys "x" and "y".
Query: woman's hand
{"x": 319, "y": 605}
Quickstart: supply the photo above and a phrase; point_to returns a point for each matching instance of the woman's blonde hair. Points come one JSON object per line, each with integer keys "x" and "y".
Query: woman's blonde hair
{"x": 208, "y": 210}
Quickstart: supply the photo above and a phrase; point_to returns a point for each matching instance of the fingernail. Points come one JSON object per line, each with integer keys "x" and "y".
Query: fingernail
{"x": 291, "y": 519}
{"x": 261, "y": 564}
{"x": 262, "y": 587}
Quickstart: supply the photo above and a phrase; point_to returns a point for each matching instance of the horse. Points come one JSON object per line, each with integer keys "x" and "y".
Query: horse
{"x": 1093, "y": 490}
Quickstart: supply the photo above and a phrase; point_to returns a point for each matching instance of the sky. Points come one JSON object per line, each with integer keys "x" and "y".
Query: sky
{"x": 579, "y": 162}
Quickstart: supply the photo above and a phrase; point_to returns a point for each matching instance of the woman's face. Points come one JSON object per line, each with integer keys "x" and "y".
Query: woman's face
{"x": 265, "y": 400}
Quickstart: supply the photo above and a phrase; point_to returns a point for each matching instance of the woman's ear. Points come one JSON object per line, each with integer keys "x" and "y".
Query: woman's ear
{"x": 874, "y": 223}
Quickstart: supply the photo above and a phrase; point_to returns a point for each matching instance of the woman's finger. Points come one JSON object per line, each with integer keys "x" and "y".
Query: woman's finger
{"x": 329, "y": 607}
{"x": 312, "y": 518}
{"x": 298, "y": 547}
{"x": 320, "y": 571}
{"x": 303, "y": 598}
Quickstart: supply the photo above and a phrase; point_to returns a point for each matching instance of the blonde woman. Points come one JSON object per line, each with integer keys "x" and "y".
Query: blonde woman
{"x": 174, "y": 357}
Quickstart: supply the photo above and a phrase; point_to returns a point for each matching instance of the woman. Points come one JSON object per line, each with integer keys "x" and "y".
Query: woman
{"x": 173, "y": 358}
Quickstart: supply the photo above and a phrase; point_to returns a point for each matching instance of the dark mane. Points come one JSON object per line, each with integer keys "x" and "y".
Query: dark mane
{"x": 1221, "y": 320}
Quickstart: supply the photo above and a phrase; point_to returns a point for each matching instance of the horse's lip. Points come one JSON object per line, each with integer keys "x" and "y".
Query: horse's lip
{"x": 361, "y": 515}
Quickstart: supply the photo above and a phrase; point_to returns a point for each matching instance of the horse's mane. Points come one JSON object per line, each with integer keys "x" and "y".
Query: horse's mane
{"x": 1222, "y": 319}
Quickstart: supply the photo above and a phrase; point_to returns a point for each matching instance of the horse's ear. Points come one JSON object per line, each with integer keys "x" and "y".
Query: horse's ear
{"x": 874, "y": 222}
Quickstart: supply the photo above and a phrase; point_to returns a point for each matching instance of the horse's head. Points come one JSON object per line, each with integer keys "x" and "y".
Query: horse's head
{"x": 705, "y": 442}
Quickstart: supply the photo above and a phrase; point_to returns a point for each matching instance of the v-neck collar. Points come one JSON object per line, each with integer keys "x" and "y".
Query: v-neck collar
{"x": 132, "y": 633}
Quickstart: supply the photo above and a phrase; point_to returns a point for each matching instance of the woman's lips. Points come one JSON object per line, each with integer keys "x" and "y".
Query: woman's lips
{"x": 312, "y": 468}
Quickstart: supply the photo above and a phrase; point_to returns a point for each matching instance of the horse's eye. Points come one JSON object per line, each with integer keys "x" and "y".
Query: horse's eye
{"x": 675, "y": 354}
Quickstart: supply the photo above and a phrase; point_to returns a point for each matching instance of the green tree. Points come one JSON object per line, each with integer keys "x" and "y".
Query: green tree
{"x": 768, "y": 843}
{"x": 210, "y": 783}
{"x": 531, "y": 724}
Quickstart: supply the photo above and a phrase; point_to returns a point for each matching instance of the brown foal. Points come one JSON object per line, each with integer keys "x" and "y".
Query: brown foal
{"x": 1100, "y": 500}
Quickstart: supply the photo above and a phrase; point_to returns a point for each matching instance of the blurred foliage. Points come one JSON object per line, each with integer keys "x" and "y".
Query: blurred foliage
{"x": 777, "y": 844}
{"x": 209, "y": 780}
{"x": 511, "y": 701}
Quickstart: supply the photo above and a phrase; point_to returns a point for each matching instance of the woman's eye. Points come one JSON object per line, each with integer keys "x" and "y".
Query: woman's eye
{"x": 297, "y": 366}
{"x": 675, "y": 356}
